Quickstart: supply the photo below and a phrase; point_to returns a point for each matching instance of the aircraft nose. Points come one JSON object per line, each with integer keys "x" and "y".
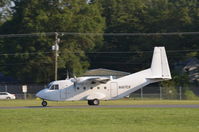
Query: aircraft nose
{"x": 40, "y": 94}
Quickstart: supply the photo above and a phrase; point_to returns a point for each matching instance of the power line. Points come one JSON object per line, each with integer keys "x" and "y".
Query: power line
{"x": 33, "y": 53}
{"x": 97, "y": 34}
{"x": 105, "y": 52}
{"x": 108, "y": 63}
{"x": 14, "y": 64}
{"x": 140, "y": 51}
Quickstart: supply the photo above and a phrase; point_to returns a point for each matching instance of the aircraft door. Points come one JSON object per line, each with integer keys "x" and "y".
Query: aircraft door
{"x": 63, "y": 93}
{"x": 114, "y": 89}
{"x": 70, "y": 91}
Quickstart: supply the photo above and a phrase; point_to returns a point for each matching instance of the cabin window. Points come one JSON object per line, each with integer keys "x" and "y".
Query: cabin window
{"x": 84, "y": 88}
{"x": 104, "y": 87}
{"x": 98, "y": 87}
{"x": 54, "y": 87}
{"x": 77, "y": 88}
{"x": 91, "y": 88}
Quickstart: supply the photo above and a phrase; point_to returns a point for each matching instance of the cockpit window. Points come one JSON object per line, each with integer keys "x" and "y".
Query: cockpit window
{"x": 54, "y": 87}
{"x": 49, "y": 85}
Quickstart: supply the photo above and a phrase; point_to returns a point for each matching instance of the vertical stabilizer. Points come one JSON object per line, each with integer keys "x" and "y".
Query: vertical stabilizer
{"x": 159, "y": 66}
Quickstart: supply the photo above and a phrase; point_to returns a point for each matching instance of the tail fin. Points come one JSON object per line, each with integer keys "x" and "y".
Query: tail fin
{"x": 159, "y": 66}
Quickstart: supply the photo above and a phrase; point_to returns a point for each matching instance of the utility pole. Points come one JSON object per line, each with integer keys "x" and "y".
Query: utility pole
{"x": 180, "y": 92}
{"x": 160, "y": 92}
{"x": 141, "y": 93}
{"x": 6, "y": 88}
{"x": 55, "y": 48}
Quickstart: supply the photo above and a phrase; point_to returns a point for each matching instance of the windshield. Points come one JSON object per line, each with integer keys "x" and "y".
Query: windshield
{"x": 49, "y": 85}
{"x": 53, "y": 86}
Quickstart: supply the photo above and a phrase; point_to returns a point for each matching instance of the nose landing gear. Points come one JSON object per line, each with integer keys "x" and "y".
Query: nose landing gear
{"x": 44, "y": 103}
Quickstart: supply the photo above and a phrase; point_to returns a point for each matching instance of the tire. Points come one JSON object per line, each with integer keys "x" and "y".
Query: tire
{"x": 90, "y": 102}
{"x": 8, "y": 98}
{"x": 93, "y": 102}
{"x": 44, "y": 103}
{"x": 96, "y": 102}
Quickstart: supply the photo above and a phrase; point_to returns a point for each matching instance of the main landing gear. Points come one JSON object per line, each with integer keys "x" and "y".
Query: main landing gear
{"x": 93, "y": 102}
{"x": 44, "y": 103}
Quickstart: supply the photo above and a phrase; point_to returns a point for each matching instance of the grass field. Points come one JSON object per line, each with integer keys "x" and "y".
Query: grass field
{"x": 99, "y": 119}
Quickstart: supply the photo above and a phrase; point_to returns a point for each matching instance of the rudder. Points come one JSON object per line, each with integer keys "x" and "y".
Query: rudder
{"x": 159, "y": 66}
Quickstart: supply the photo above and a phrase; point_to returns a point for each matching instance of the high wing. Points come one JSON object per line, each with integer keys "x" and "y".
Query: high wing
{"x": 98, "y": 80}
{"x": 91, "y": 80}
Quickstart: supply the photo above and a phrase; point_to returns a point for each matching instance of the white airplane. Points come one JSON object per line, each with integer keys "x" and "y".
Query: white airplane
{"x": 93, "y": 88}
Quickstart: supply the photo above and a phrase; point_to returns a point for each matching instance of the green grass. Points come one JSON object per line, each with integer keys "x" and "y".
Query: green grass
{"x": 13, "y": 103}
{"x": 100, "y": 120}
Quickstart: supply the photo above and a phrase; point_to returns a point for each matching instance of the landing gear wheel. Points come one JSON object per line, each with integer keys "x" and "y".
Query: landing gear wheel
{"x": 93, "y": 102}
{"x": 8, "y": 98}
{"x": 90, "y": 102}
{"x": 44, "y": 103}
{"x": 96, "y": 102}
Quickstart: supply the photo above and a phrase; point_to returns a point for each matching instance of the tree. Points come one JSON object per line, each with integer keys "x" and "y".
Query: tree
{"x": 147, "y": 16}
{"x": 36, "y": 62}
{"x": 134, "y": 53}
{"x": 122, "y": 16}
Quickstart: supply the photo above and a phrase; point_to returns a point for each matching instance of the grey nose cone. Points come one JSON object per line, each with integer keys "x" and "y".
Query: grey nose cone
{"x": 38, "y": 94}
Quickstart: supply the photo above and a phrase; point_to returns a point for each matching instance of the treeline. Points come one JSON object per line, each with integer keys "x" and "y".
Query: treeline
{"x": 30, "y": 58}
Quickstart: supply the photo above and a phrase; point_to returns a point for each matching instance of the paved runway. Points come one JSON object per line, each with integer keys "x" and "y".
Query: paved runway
{"x": 105, "y": 106}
